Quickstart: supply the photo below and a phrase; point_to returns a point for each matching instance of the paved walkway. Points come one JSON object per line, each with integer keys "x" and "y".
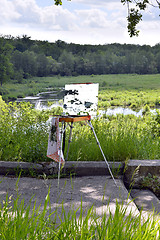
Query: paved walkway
{"x": 99, "y": 191}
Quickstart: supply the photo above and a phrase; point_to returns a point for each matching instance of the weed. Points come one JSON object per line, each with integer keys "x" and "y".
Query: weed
{"x": 151, "y": 182}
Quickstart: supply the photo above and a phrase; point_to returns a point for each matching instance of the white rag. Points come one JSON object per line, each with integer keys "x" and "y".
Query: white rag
{"x": 54, "y": 142}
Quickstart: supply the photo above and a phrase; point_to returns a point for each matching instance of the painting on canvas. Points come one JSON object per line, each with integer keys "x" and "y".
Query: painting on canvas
{"x": 81, "y": 98}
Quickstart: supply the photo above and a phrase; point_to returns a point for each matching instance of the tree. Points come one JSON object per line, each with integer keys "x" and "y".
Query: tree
{"x": 134, "y": 13}
{"x": 25, "y": 62}
{"x": 67, "y": 63}
{"x": 6, "y": 67}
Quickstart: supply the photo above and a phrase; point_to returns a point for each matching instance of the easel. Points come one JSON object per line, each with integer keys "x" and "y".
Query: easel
{"x": 70, "y": 120}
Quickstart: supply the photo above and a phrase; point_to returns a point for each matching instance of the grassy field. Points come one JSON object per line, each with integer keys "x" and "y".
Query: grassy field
{"x": 128, "y": 90}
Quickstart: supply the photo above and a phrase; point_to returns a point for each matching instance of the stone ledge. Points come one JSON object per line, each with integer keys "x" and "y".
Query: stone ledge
{"x": 136, "y": 169}
{"x": 92, "y": 168}
{"x": 79, "y": 168}
{"x": 13, "y": 168}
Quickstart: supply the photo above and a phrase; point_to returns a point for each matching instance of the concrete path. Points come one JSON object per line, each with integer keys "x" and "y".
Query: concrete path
{"x": 146, "y": 201}
{"x": 99, "y": 191}
{"x": 91, "y": 186}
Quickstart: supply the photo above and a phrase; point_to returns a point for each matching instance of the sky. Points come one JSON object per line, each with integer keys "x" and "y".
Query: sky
{"x": 76, "y": 21}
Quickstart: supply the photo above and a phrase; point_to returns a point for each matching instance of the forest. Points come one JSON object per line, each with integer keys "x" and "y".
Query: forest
{"x": 22, "y": 58}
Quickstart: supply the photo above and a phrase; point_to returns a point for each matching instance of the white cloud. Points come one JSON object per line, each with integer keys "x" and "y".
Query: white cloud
{"x": 28, "y": 10}
{"x": 95, "y": 2}
{"x": 7, "y": 11}
{"x": 93, "y": 18}
{"x": 28, "y": 14}
{"x": 91, "y": 21}
{"x": 54, "y": 16}
{"x": 150, "y": 26}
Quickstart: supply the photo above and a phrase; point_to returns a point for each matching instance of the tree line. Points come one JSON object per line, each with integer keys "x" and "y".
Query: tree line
{"x": 23, "y": 58}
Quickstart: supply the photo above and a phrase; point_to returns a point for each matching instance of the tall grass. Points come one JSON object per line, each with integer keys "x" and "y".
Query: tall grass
{"x": 20, "y": 222}
{"x": 23, "y": 132}
{"x": 121, "y": 137}
{"x": 133, "y": 98}
{"x": 24, "y": 136}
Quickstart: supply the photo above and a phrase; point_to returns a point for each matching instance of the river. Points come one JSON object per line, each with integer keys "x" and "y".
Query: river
{"x": 40, "y": 101}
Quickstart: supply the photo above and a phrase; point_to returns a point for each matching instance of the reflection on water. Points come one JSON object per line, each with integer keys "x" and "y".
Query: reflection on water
{"x": 121, "y": 110}
{"x": 40, "y": 105}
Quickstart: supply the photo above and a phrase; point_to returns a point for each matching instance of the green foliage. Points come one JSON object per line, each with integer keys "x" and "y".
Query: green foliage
{"x": 132, "y": 98}
{"x": 135, "y": 13}
{"x": 121, "y": 89}
{"x": 18, "y": 221}
{"x": 2, "y": 104}
{"x": 30, "y": 58}
{"x": 152, "y": 183}
{"x": 24, "y": 133}
{"x": 121, "y": 137}
{"x": 58, "y": 2}
{"x": 133, "y": 19}
{"x": 6, "y": 70}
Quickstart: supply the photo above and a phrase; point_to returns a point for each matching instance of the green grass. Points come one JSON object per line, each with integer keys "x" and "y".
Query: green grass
{"x": 24, "y": 136}
{"x": 24, "y": 132}
{"x": 134, "y": 99}
{"x": 121, "y": 137}
{"x": 18, "y": 221}
{"x": 111, "y": 81}
{"x": 151, "y": 182}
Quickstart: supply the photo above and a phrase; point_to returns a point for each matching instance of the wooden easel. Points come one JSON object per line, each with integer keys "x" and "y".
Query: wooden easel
{"x": 75, "y": 118}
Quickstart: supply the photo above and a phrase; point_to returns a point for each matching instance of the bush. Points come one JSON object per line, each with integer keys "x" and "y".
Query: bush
{"x": 24, "y": 133}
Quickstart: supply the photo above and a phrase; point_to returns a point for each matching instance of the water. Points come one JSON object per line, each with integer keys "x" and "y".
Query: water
{"x": 121, "y": 110}
{"x": 40, "y": 101}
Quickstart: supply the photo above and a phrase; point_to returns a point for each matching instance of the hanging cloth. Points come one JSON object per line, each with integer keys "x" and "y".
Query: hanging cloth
{"x": 54, "y": 150}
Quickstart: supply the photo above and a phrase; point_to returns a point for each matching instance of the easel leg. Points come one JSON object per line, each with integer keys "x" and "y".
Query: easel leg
{"x": 92, "y": 128}
{"x": 59, "y": 170}
{"x": 69, "y": 141}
